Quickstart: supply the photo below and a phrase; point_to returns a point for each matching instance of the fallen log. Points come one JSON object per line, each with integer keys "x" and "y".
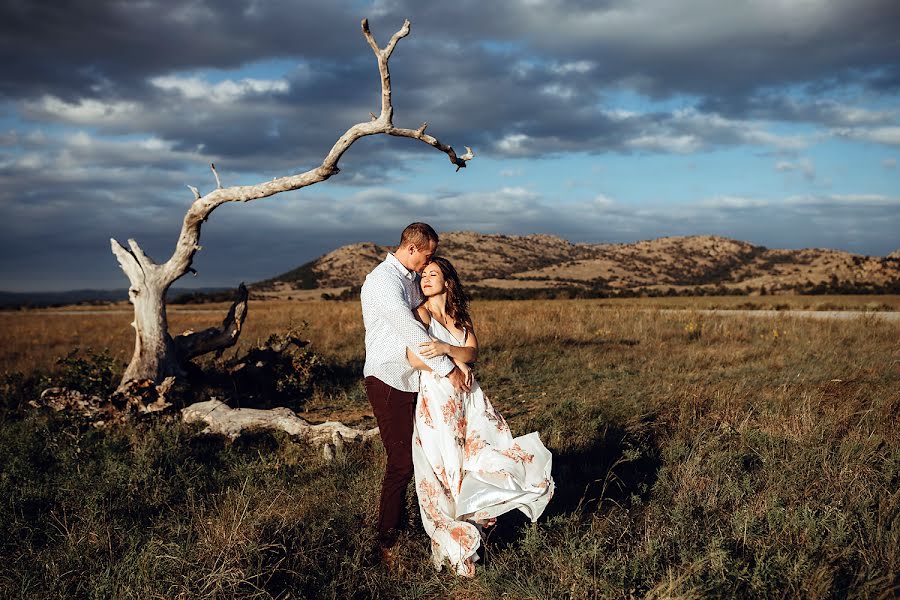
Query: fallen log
{"x": 232, "y": 422}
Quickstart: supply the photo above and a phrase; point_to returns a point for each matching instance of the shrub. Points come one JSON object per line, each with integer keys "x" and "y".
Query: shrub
{"x": 93, "y": 373}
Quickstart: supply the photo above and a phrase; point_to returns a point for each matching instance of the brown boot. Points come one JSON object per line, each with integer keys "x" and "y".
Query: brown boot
{"x": 390, "y": 558}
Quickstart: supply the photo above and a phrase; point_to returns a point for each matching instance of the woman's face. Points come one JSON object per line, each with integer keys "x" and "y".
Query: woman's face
{"x": 432, "y": 280}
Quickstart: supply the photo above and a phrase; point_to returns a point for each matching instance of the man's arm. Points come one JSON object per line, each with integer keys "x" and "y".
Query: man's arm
{"x": 388, "y": 299}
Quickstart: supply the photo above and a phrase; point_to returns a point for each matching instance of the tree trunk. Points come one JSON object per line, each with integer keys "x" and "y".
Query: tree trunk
{"x": 155, "y": 356}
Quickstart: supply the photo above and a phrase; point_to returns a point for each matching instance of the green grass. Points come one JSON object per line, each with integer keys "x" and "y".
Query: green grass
{"x": 737, "y": 457}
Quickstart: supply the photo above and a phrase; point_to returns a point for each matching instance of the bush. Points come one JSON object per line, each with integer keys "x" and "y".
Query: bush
{"x": 16, "y": 389}
{"x": 92, "y": 373}
{"x": 280, "y": 372}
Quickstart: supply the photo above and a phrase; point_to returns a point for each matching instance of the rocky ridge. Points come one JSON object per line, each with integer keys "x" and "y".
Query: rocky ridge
{"x": 668, "y": 265}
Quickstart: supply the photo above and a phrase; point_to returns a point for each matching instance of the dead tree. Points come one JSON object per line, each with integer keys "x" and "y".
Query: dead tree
{"x": 156, "y": 354}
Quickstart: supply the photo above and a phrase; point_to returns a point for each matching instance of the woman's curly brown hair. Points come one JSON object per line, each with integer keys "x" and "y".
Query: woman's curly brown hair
{"x": 457, "y": 298}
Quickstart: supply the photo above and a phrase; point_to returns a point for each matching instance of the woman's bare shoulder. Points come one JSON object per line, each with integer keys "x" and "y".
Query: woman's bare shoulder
{"x": 423, "y": 315}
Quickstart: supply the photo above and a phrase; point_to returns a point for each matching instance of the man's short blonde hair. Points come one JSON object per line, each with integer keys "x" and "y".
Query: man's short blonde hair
{"x": 419, "y": 235}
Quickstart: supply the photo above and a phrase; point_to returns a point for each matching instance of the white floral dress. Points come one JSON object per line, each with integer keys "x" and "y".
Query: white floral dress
{"x": 468, "y": 467}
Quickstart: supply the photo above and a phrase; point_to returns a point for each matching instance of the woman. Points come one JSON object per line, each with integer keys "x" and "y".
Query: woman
{"x": 468, "y": 467}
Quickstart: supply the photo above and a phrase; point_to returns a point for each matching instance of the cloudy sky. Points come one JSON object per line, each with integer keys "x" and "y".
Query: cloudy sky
{"x": 771, "y": 121}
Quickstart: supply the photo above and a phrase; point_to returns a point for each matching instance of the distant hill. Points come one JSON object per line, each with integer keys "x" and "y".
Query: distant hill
{"x": 522, "y": 266}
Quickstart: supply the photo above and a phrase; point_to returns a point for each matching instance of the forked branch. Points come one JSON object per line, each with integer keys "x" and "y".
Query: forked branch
{"x": 201, "y": 208}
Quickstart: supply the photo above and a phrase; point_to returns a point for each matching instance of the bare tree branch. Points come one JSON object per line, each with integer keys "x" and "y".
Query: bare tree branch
{"x": 145, "y": 261}
{"x": 155, "y": 355}
{"x": 419, "y": 134}
{"x": 218, "y": 181}
{"x": 389, "y": 49}
{"x": 187, "y": 245}
{"x": 369, "y": 37}
{"x": 216, "y": 339}
{"x": 127, "y": 261}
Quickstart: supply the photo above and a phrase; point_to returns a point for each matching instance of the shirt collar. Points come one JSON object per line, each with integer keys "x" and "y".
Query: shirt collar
{"x": 395, "y": 262}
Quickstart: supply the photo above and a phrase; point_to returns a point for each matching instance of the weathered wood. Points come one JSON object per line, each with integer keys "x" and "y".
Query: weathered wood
{"x": 156, "y": 355}
{"x": 140, "y": 397}
{"x": 215, "y": 339}
{"x": 232, "y": 422}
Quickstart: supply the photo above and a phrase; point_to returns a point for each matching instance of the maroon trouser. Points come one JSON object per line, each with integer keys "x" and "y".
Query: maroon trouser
{"x": 394, "y": 412}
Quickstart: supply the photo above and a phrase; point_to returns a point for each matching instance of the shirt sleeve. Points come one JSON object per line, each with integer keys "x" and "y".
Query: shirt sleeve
{"x": 388, "y": 299}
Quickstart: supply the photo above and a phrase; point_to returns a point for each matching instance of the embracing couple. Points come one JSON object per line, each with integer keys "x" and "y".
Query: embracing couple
{"x": 435, "y": 422}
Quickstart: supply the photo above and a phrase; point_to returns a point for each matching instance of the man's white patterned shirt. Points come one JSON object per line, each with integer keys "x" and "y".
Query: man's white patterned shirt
{"x": 388, "y": 296}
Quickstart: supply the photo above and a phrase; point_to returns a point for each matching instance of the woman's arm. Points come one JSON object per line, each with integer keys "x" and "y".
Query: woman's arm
{"x": 417, "y": 364}
{"x": 467, "y": 353}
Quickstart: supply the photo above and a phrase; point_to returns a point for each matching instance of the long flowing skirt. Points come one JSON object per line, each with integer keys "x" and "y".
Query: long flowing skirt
{"x": 469, "y": 470}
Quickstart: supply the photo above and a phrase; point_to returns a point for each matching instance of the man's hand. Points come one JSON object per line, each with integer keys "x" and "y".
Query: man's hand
{"x": 459, "y": 380}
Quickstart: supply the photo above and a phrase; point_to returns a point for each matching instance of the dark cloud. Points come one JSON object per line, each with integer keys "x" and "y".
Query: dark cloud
{"x": 505, "y": 79}
{"x": 700, "y": 47}
{"x": 75, "y": 49}
{"x": 110, "y": 120}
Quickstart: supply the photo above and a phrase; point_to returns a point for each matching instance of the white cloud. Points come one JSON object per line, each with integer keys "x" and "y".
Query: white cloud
{"x": 603, "y": 201}
{"x": 578, "y": 66}
{"x": 80, "y": 156}
{"x": 842, "y": 199}
{"x": 880, "y": 135}
{"x": 80, "y": 139}
{"x": 751, "y": 134}
{"x": 677, "y": 144}
{"x": 737, "y": 202}
{"x": 715, "y": 127}
{"x": 227, "y": 91}
{"x": 803, "y": 166}
{"x": 516, "y": 144}
{"x": 854, "y": 115}
{"x": 558, "y": 90}
{"x": 31, "y": 160}
{"x": 620, "y": 114}
{"x": 889, "y": 163}
{"x": 865, "y": 198}
{"x": 85, "y": 111}
{"x": 686, "y": 131}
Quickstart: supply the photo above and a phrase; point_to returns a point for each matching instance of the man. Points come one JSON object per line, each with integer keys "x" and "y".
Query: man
{"x": 389, "y": 295}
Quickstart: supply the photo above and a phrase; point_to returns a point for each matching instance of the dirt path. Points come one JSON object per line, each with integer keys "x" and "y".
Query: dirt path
{"x": 805, "y": 314}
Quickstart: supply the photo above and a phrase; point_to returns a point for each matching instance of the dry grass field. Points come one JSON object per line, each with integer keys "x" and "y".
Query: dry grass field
{"x": 694, "y": 456}
{"x": 37, "y": 337}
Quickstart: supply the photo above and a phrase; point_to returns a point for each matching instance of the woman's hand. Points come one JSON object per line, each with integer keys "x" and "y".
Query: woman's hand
{"x": 433, "y": 349}
{"x": 467, "y": 371}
